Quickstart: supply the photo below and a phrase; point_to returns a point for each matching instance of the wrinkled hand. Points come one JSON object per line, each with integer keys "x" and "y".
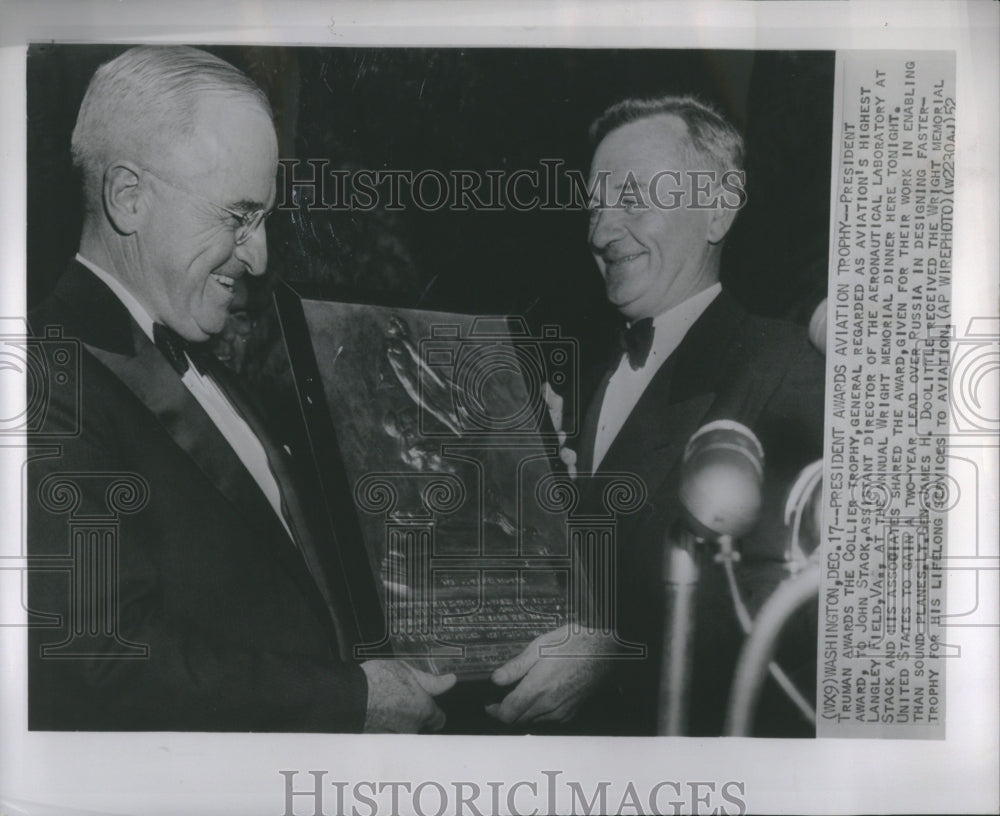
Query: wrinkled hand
{"x": 554, "y": 403}
{"x": 401, "y": 698}
{"x": 551, "y": 688}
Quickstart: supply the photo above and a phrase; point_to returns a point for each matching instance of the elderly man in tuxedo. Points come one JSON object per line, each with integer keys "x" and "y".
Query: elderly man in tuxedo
{"x": 666, "y": 184}
{"x": 218, "y": 611}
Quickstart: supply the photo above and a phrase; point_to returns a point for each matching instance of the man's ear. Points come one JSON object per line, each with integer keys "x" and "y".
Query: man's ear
{"x": 722, "y": 220}
{"x": 124, "y": 196}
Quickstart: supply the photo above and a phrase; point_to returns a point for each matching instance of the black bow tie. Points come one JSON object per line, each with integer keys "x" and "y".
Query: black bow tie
{"x": 636, "y": 341}
{"x": 175, "y": 348}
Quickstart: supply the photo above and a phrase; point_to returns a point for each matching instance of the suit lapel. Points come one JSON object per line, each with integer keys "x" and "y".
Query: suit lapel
{"x": 148, "y": 375}
{"x": 295, "y": 512}
{"x": 94, "y": 314}
{"x": 703, "y": 357}
{"x": 91, "y": 312}
{"x": 588, "y": 434}
{"x": 678, "y": 400}
{"x": 652, "y": 440}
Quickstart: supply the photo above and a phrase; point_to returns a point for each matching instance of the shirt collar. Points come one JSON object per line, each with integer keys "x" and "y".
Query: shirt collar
{"x": 139, "y": 314}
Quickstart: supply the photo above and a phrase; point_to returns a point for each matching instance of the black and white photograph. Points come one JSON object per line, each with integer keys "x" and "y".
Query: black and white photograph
{"x": 209, "y": 619}
{"x": 464, "y": 422}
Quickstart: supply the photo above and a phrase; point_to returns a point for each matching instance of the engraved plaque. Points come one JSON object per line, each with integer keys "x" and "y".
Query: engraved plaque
{"x": 439, "y": 424}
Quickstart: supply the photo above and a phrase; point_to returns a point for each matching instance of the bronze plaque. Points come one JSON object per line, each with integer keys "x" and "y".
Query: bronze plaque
{"x": 447, "y": 454}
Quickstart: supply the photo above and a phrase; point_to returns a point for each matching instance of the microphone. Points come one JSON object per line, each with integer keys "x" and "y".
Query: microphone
{"x": 817, "y": 327}
{"x": 721, "y": 477}
{"x": 720, "y": 491}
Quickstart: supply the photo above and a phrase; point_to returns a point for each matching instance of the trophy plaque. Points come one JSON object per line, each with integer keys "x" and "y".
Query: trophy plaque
{"x": 437, "y": 458}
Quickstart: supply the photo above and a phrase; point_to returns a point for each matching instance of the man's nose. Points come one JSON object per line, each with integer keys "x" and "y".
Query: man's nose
{"x": 253, "y": 251}
{"x": 605, "y": 227}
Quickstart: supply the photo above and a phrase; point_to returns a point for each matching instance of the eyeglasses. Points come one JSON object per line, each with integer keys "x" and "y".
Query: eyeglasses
{"x": 246, "y": 223}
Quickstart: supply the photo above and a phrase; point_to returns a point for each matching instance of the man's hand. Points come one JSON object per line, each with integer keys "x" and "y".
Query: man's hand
{"x": 554, "y": 403}
{"x": 400, "y": 698}
{"x": 552, "y": 687}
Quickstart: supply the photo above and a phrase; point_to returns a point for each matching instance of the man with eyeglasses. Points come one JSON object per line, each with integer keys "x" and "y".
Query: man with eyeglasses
{"x": 218, "y": 612}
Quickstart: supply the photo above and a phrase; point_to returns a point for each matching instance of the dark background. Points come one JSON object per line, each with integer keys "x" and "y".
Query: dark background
{"x": 479, "y": 109}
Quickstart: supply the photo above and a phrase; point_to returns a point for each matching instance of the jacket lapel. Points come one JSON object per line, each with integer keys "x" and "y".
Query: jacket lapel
{"x": 651, "y": 442}
{"x": 295, "y": 512}
{"x": 92, "y": 313}
{"x": 148, "y": 375}
{"x": 588, "y": 434}
{"x": 678, "y": 400}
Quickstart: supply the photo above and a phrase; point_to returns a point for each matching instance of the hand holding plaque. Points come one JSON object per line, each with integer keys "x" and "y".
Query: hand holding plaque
{"x": 551, "y": 687}
{"x": 400, "y": 698}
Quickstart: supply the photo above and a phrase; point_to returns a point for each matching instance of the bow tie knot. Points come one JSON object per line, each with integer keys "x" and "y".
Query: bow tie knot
{"x": 636, "y": 341}
{"x": 175, "y": 348}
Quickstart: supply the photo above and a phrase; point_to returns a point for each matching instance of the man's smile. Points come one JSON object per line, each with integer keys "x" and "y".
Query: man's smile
{"x": 227, "y": 282}
{"x": 621, "y": 259}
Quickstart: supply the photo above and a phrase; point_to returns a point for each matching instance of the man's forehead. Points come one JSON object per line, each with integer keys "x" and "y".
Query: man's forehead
{"x": 226, "y": 130}
{"x": 643, "y": 147}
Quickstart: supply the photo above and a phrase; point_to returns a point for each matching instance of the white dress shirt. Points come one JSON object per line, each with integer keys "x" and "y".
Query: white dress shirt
{"x": 220, "y": 410}
{"x": 626, "y": 386}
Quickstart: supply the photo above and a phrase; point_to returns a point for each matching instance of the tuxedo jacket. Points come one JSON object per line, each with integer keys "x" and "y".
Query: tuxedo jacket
{"x": 219, "y": 620}
{"x": 730, "y": 365}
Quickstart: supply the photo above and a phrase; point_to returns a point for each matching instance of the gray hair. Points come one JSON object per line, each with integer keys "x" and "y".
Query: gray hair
{"x": 146, "y": 99}
{"x": 712, "y": 137}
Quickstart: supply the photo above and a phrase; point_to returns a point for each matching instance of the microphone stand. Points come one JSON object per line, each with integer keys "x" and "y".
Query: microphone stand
{"x": 719, "y": 491}
{"x": 680, "y": 576}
